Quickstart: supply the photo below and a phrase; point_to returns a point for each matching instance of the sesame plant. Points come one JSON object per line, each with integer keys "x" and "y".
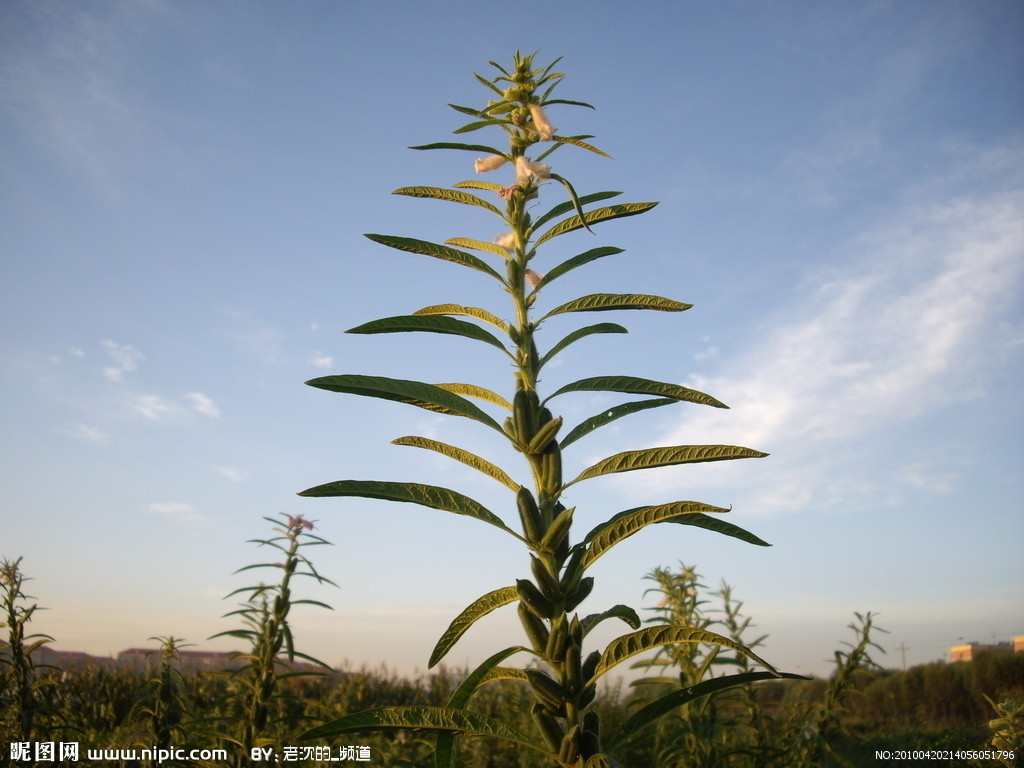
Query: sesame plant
{"x": 564, "y": 672}
{"x": 266, "y": 629}
{"x": 20, "y": 685}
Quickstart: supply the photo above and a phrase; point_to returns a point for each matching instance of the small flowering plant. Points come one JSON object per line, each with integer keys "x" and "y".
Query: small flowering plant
{"x": 564, "y": 674}
{"x": 266, "y": 629}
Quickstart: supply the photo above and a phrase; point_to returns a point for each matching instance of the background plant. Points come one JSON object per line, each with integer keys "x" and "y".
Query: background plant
{"x": 564, "y": 677}
{"x": 19, "y": 700}
{"x": 266, "y": 629}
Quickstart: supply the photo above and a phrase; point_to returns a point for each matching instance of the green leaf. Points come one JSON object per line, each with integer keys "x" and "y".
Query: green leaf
{"x": 581, "y": 144}
{"x": 468, "y": 111}
{"x": 464, "y": 456}
{"x": 472, "y": 390}
{"x": 430, "y": 719}
{"x": 577, "y": 261}
{"x": 627, "y": 646}
{"x": 625, "y": 524}
{"x": 567, "y": 101}
{"x": 720, "y": 526}
{"x": 561, "y": 208}
{"x": 416, "y": 393}
{"x": 477, "y": 125}
{"x": 432, "y": 496}
{"x": 580, "y": 334}
{"x": 601, "y": 302}
{"x": 623, "y": 612}
{"x": 467, "y": 147}
{"x": 649, "y": 458}
{"x": 458, "y": 309}
{"x": 605, "y": 417}
{"x": 445, "y": 751}
{"x": 478, "y": 245}
{"x": 466, "y": 619}
{"x": 594, "y": 217}
{"x": 490, "y": 186}
{"x": 428, "y": 324}
{"x": 635, "y": 386}
{"x": 484, "y": 81}
{"x": 660, "y": 707}
{"x": 451, "y": 195}
{"x": 572, "y": 196}
{"x": 413, "y": 245}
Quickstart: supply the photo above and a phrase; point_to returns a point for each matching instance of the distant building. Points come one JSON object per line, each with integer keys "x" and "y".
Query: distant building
{"x": 44, "y": 655}
{"x": 971, "y": 651}
{"x": 191, "y": 661}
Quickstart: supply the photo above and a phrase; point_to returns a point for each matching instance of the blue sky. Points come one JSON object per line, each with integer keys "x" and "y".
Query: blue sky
{"x": 184, "y": 191}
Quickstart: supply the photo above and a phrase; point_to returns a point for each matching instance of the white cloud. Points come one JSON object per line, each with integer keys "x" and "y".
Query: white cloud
{"x": 911, "y": 323}
{"x": 177, "y": 509}
{"x": 153, "y": 407}
{"x": 200, "y": 403}
{"x": 85, "y": 433}
{"x": 318, "y": 360}
{"x": 126, "y": 360}
{"x": 232, "y": 474}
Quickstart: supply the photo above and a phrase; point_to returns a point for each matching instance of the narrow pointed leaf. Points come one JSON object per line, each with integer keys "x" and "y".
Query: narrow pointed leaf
{"x": 458, "y": 309}
{"x": 432, "y": 496}
{"x": 478, "y": 245}
{"x": 472, "y": 390}
{"x": 635, "y": 386}
{"x": 443, "y": 252}
{"x": 594, "y": 217}
{"x": 451, "y": 195}
{"x": 468, "y": 110}
{"x": 489, "y": 186}
{"x": 429, "y": 719}
{"x": 624, "y": 612}
{"x": 602, "y": 302}
{"x": 568, "y": 101}
{"x": 466, "y": 619}
{"x": 484, "y": 81}
{"x": 416, "y": 393}
{"x": 572, "y": 196}
{"x": 577, "y": 261}
{"x": 627, "y": 646}
{"x": 467, "y": 147}
{"x": 720, "y": 526}
{"x": 464, "y": 456}
{"x": 625, "y": 524}
{"x": 660, "y": 707}
{"x": 561, "y": 208}
{"x": 610, "y": 415}
{"x": 649, "y": 458}
{"x": 428, "y": 324}
{"x": 580, "y": 334}
{"x": 445, "y": 750}
{"x": 477, "y": 125}
{"x": 581, "y": 144}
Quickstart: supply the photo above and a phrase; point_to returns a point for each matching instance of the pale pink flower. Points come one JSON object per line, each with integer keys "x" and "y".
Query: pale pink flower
{"x": 505, "y": 193}
{"x": 533, "y": 278}
{"x": 540, "y": 122}
{"x": 488, "y": 163}
{"x": 506, "y": 241}
{"x": 526, "y": 169}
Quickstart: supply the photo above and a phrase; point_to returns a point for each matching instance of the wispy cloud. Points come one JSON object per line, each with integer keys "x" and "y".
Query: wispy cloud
{"x": 908, "y": 325}
{"x": 150, "y": 406}
{"x": 202, "y": 404}
{"x": 176, "y": 509}
{"x": 85, "y": 433}
{"x": 231, "y": 473}
{"x": 320, "y": 360}
{"x": 126, "y": 359}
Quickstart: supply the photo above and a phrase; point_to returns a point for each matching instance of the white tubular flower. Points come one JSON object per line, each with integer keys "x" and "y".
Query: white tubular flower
{"x": 525, "y": 169}
{"x": 533, "y": 278}
{"x": 506, "y": 241}
{"x": 540, "y": 122}
{"x": 488, "y": 163}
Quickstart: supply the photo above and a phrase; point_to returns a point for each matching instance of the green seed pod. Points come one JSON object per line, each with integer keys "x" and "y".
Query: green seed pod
{"x": 545, "y": 689}
{"x": 590, "y": 666}
{"x": 557, "y": 531}
{"x": 551, "y": 468}
{"x": 525, "y": 414}
{"x": 529, "y": 515}
{"x": 569, "y": 751}
{"x": 532, "y": 598}
{"x": 549, "y": 727}
{"x": 546, "y": 580}
{"x": 579, "y": 594}
{"x": 573, "y": 572}
{"x": 587, "y": 695}
{"x": 545, "y": 434}
{"x": 572, "y": 666}
{"x": 536, "y": 632}
{"x": 557, "y": 639}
